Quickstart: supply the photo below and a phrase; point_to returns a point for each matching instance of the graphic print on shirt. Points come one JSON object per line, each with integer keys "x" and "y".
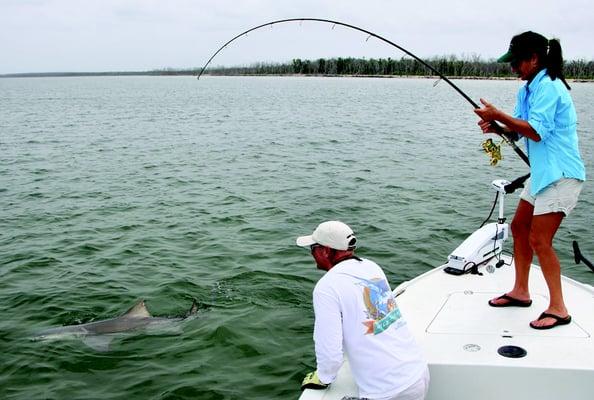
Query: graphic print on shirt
{"x": 382, "y": 310}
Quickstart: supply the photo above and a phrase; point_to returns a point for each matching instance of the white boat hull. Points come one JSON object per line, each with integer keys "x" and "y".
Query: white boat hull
{"x": 461, "y": 335}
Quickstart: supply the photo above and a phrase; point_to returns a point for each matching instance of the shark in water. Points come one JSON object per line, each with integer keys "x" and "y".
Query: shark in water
{"x": 99, "y": 334}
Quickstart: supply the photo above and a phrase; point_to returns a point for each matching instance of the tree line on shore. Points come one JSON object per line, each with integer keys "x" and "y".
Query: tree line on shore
{"x": 449, "y": 66}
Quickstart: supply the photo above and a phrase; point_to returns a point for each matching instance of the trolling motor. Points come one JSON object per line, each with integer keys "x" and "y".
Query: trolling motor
{"x": 579, "y": 257}
{"x": 485, "y": 243}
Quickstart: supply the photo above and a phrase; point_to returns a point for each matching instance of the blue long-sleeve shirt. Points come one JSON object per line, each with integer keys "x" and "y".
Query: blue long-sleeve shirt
{"x": 549, "y": 109}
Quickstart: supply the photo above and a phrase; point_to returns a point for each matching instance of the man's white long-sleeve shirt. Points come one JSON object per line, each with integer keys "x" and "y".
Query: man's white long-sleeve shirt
{"x": 355, "y": 311}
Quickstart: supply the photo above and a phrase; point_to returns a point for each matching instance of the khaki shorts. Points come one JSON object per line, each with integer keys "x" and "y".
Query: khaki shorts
{"x": 560, "y": 196}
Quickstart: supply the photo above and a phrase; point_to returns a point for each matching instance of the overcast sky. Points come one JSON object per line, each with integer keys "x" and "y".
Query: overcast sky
{"x": 118, "y": 35}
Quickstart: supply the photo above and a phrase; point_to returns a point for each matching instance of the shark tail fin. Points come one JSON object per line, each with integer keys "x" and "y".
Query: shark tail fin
{"x": 193, "y": 309}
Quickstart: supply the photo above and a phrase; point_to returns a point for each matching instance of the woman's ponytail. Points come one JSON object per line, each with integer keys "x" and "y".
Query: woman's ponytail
{"x": 554, "y": 62}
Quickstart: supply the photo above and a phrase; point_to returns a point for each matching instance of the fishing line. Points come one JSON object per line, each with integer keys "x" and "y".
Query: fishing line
{"x": 499, "y": 130}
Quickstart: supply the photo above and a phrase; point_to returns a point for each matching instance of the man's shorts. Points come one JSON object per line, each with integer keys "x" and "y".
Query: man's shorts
{"x": 560, "y": 196}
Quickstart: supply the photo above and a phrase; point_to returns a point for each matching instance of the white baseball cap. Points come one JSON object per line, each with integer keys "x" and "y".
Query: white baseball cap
{"x": 334, "y": 234}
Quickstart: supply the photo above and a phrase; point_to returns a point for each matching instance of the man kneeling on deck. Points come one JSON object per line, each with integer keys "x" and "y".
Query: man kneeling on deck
{"x": 356, "y": 310}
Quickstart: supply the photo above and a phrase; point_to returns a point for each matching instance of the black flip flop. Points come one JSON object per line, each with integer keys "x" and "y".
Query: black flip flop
{"x": 558, "y": 321}
{"x": 511, "y": 302}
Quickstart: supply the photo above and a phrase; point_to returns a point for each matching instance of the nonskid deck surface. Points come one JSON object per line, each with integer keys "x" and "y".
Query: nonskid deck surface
{"x": 461, "y": 336}
{"x": 505, "y": 322}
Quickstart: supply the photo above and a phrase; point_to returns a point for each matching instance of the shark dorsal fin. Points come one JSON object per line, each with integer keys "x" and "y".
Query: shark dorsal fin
{"x": 137, "y": 311}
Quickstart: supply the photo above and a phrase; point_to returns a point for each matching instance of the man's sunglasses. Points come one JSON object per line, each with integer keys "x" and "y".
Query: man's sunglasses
{"x": 314, "y": 246}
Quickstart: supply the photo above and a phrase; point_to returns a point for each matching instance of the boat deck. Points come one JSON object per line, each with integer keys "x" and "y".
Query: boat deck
{"x": 461, "y": 335}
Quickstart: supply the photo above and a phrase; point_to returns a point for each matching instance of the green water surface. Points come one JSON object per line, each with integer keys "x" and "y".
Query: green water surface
{"x": 169, "y": 189}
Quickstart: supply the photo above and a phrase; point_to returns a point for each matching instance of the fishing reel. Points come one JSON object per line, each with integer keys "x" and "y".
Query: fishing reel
{"x": 493, "y": 150}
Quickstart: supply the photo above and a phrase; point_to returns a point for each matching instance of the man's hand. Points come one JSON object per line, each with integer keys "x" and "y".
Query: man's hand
{"x": 311, "y": 381}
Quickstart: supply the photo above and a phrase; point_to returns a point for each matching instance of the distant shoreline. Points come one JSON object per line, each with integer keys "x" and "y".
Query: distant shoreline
{"x": 87, "y": 74}
{"x": 469, "y": 77}
{"x": 349, "y": 67}
{"x": 195, "y": 73}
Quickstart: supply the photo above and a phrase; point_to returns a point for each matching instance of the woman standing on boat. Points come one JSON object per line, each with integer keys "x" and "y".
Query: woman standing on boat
{"x": 545, "y": 116}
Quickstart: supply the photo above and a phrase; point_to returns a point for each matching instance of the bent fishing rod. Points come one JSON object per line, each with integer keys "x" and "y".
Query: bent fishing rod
{"x": 498, "y": 129}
